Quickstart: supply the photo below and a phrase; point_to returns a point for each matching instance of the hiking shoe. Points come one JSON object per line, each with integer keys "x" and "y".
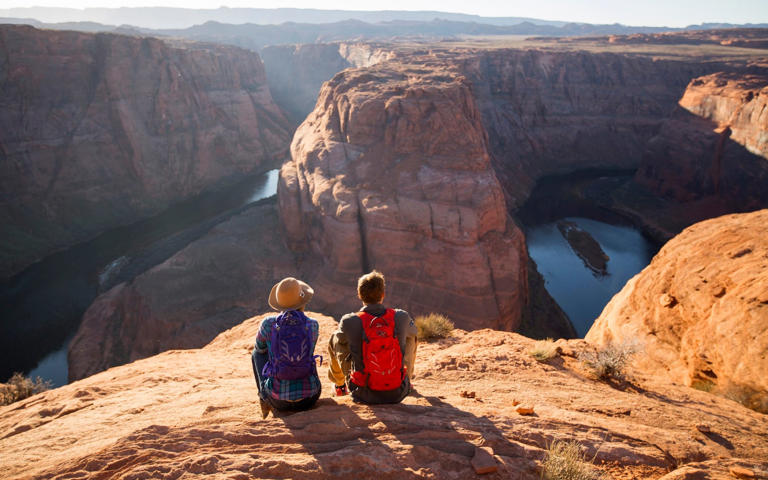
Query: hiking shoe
{"x": 341, "y": 390}
{"x": 265, "y": 407}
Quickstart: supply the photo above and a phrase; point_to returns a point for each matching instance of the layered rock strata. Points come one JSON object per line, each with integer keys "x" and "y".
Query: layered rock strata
{"x": 552, "y": 113}
{"x": 194, "y": 414}
{"x": 700, "y": 309}
{"x": 392, "y": 171}
{"x": 100, "y": 130}
{"x": 715, "y": 145}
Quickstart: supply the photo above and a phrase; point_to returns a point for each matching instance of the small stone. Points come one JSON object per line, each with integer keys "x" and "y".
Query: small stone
{"x": 525, "y": 410}
{"x": 467, "y": 394}
{"x": 565, "y": 351}
{"x": 703, "y": 428}
{"x": 667, "y": 300}
{"x": 515, "y": 403}
{"x": 741, "y": 472}
{"x": 483, "y": 461}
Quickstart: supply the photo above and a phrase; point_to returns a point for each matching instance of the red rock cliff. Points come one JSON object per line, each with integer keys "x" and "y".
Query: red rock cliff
{"x": 556, "y": 112}
{"x": 392, "y": 171}
{"x": 715, "y": 145}
{"x": 701, "y": 308}
{"x": 99, "y": 130}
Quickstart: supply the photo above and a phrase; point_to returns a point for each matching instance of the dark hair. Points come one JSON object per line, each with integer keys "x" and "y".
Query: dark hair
{"x": 370, "y": 287}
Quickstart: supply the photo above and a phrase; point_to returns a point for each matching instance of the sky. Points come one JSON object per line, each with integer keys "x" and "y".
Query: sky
{"x": 671, "y": 13}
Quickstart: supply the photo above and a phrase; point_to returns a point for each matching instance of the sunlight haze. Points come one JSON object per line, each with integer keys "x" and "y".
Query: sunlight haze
{"x": 649, "y": 13}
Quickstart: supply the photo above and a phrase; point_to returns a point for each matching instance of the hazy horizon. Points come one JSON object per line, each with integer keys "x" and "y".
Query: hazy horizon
{"x": 655, "y": 13}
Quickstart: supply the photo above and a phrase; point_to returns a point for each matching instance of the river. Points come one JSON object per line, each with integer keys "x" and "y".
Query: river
{"x": 44, "y": 304}
{"x": 579, "y": 292}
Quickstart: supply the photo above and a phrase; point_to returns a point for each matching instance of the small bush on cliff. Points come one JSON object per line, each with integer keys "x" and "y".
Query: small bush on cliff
{"x": 20, "y": 387}
{"x": 433, "y": 325}
{"x": 544, "y": 350}
{"x": 610, "y": 361}
{"x": 565, "y": 461}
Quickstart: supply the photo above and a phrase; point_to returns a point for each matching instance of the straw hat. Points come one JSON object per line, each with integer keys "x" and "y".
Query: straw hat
{"x": 290, "y": 294}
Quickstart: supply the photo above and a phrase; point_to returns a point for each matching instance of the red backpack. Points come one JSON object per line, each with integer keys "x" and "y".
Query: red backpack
{"x": 382, "y": 358}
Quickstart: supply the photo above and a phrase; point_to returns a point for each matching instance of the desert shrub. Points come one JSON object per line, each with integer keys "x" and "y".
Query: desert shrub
{"x": 543, "y": 350}
{"x": 20, "y": 387}
{"x": 610, "y": 361}
{"x": 433, "y": 325}
{"x": 703, "y": 385}
{"x": 750, "y": 398}
{"x": 565, "y": 461}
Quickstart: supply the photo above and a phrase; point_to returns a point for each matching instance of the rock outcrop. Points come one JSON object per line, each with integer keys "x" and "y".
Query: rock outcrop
{"x": 194, "y": 413}
{"x": 715, "y": 145}
{"x": 186, "y": 301}
{"x": 100, "y": 130}
{"x": 392, "y": 171}
{"x": 701, "y": 309}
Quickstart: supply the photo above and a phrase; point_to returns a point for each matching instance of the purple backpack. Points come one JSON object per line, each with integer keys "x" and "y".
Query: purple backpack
{"x": 290, "y": 353}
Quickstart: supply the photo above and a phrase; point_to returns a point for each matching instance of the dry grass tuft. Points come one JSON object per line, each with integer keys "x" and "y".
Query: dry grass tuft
{"x": 20, "y": 387}
{"x": 565, "y": 461}
{"x": 544, "y": 350}
{"x": 433, "y": 325}
{"x": 610, "y": 361}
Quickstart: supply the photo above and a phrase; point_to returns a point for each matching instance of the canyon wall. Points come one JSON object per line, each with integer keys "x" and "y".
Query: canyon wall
{"x": 557, "y": 112}
{"x": 100, "y": 130}
{"x": 700, "y": 309}
{"x": 392, "y": 171}
{"x": 715, "y": 145}
{"x": 295, "y": 73}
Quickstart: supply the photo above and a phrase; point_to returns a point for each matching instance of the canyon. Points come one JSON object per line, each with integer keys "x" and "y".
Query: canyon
{"x": 420, "y": 160}
{"x": 425, "y": 155}
{"x": 140, "y": 125}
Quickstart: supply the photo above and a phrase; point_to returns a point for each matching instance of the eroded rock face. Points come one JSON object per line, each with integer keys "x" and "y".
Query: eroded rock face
{"x": 207, "y": 287}
{"x": 195, "y": 413}
{"x": 557, "y": 112}
{"x": 700, "y": 309}
{"x": 100, "y": 130}
{"x": 296, "y": 72}
{"x": 715, "y": 145}
{"x": 392, "y": 171}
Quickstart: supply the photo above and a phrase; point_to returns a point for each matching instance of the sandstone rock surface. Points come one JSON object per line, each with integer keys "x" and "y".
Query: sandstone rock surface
{"x": 99, "y": 130}
{"x": 186, "y": 301}
{"x": 700, "y": 309}
{"x": 392, "y": 171}
{"x": 194, "y": 413}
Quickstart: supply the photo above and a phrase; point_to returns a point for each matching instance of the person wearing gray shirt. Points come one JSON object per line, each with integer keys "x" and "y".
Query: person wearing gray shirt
{"x": 346, "y": 345}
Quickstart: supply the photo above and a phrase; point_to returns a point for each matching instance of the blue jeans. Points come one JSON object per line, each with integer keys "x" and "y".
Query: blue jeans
{"x": 258, "y": 360}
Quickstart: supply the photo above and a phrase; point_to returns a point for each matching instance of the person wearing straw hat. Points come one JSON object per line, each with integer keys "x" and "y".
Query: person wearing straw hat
{"x": 283, "y": 358}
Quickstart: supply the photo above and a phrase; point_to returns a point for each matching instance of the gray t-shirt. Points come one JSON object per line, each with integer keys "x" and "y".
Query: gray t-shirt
{"x": 352, "y": 328}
